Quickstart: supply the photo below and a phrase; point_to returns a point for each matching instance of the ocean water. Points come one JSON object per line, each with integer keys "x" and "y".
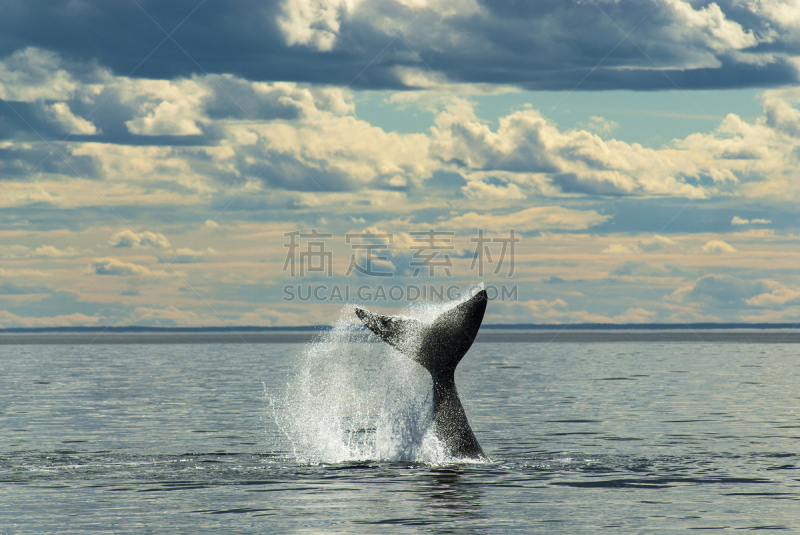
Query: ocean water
{"x": 638, "y": 436}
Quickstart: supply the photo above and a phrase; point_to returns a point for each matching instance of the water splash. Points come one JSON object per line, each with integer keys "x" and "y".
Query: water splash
{"x": 353, "y": 401}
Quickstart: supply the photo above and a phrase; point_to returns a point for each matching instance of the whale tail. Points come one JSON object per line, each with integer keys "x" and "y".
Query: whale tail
{"x": 439, "y": 346}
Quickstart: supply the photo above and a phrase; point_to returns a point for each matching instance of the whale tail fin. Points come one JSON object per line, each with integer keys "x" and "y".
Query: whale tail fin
{"x": 397, "y": 331}
{"x": 438, "y": 346}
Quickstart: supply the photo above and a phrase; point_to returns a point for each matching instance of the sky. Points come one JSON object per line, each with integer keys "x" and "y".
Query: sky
{"x": 270, "y": 163}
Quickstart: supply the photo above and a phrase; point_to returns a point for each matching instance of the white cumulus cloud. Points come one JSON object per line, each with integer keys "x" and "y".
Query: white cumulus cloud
{"x": 128, "y": 238}
{"x": 34, "y": 74}
{"x": 718, "y": 247}
{"x": 113, "y": 266}
{"x": 742, "y": 221}
{"x": 313, "y": 23}
{"x": 60, "y": 113}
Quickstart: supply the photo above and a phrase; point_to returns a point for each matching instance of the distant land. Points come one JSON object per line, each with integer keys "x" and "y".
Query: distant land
{"x": 504, "y": 326}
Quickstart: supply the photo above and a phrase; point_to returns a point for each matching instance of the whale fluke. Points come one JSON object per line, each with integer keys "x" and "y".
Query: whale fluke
{"x": 439, "y": 347}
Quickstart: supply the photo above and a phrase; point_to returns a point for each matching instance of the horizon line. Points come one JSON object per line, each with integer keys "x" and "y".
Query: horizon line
{"x": 500, "y": 326}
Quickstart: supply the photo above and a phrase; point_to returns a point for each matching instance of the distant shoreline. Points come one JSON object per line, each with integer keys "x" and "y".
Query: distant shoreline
{"x": 130, "y": 329}
{"x": 493, "y": 336}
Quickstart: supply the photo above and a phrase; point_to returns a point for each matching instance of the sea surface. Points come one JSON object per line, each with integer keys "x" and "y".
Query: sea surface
{"x": 587, "y": 433}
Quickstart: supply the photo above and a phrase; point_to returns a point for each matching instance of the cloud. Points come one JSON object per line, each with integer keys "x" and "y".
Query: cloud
{"x": 23, "y": 273}
{"x": 742, "y": 221}
{"x": 778, "y": 297}
{"x": 710, "y": 26}
{"x": 615, "y": 45}
{"x": 480, "y": 190}
{"x": 277, "y": 316}
{"x": 252, "y": 147}
{"x": 719, "y": 290}
{"x": 60, "y": 113}
{"x": 541, "y": 309}
{"x": 164, "y": 107}
{"x": 212, "y": 132}
{"x": 718, "y": 247}
{"x": 187, "y": 256}
{"x": 788, "y": 315}
{"x": 313, "y": 23}
{"x": 598, "y": 125}
{"x": 325, "y": 151}
{"x": 753, "y": 159}
{"x": 230, "y": 97}
{"x": 10, "y": 288}
{"x": 724, "y": 292}
{"x": 558, "y": 311}
{"x": 616, "y": 248}
{"x": 32, "y": 74}
{"x": 781, "y": 113}
{"x": 643, "y": 269}
{"x": 529, "y": 152}
{"x": 221, "y": 131}
{"x": 530, "y": 219}
{"x": 635, "y": 315}
{"x": 13, "y": 251}
{"x": 8, "y": 319}
{"x": 113, "y": 266}
{"x": 128, "y": 238}
{"x": 51, "y": 251}
{"x": 170, "y": 315}
{"x": 27, "y": 194}
{"x": 646, "y": 246}
{"x": 655, "y": 243}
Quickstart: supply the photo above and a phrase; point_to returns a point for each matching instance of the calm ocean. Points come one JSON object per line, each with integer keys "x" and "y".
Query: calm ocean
{"x": 587, "y": 432}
